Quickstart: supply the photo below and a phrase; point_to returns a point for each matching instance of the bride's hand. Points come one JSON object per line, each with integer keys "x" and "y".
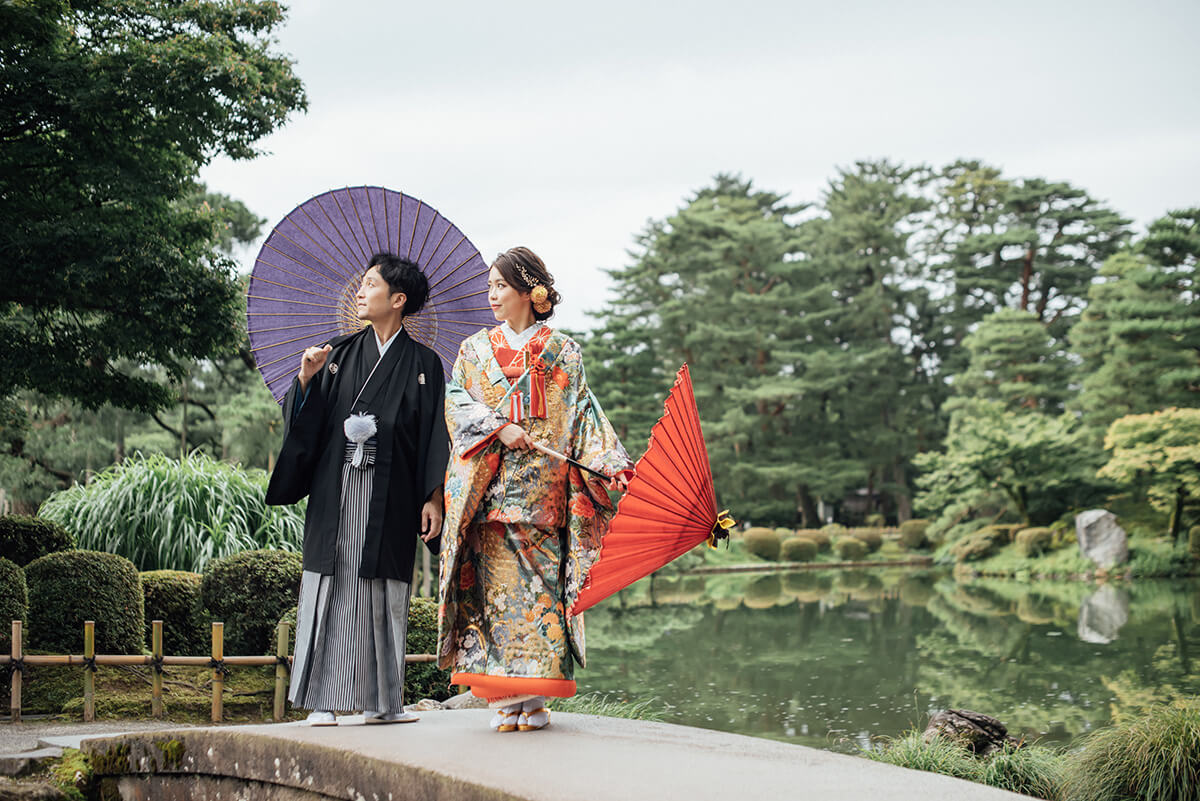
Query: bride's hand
{"x": 515, "y": 437}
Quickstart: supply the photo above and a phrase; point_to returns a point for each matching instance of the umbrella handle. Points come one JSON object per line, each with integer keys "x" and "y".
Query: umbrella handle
{"x": 568, "y": 460}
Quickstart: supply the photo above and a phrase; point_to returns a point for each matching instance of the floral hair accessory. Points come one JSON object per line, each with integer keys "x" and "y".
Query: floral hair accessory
{"x": 539, "y": 296}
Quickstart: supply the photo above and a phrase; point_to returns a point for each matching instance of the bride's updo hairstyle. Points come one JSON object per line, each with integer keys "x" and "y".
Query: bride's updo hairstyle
{"x": 525, "y": 272}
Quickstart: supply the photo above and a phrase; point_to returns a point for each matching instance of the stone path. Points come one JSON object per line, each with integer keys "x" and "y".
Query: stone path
{"x": 452, "y": 754}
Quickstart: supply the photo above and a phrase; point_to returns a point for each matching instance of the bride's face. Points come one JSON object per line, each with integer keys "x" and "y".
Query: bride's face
{"x": 507, "y": 303}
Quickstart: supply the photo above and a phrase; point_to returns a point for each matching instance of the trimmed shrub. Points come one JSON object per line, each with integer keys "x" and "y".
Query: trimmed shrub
{"x": 980, "y": 545}
{"x": 24, "y": 538}
{"x": 14, "y": 601}
{"x": 70, "y": 587}
{"x": 872, "y": 538}
{"x": 1034, "y": 541}
{"x": 850, "y": 549}
{"x": 798, "y": 549}
{"x": 912, "y": 533}
{"x": 424, "y": 680}
{"x": 822, "y": 539}
{"x": 875, "y": 520}
{"x": 763, "y": 543}
{"x": 173, "y": 596}
{"x": 249, "y": 592}
{"x": 1155, "y": 756}
{"x": 833, "y": 529}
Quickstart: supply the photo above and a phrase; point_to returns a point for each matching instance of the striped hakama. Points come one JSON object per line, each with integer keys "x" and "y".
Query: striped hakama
{"x": 349, "y": 630}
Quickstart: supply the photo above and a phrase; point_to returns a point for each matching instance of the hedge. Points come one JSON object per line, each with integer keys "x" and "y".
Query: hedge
{"x": 1034, "y": 541}
{"x": 14, "y": 601}
{"x": 24, "y": 538}
{"x": 173, "y": 596}
{"x": 821, "y": 538}
{"x": 763, "y": 543}
{"x": 70, "y": 587}
{"x": 912, "y": 533}
{"x": 250, "y": 591}
{"x": 872, "y": 538}
{"x": 981, "y": 544}
{"x": 850, "y": 549}
{"x": 798, "y": 549}
{"x": 424, "y": 680}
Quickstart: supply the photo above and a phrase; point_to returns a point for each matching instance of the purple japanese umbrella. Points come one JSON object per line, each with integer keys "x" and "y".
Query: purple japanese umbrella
{"x": 303, "y": 286}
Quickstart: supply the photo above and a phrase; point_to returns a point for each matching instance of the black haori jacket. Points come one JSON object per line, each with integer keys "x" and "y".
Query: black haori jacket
{"x": 406, "y": 395}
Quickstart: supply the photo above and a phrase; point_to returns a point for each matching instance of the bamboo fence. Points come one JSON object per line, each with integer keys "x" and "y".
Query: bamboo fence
{"x": 17, "y": 661}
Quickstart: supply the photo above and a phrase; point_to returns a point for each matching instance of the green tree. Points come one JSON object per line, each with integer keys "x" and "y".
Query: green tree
{"x": 1027, "y": 244}
{"x": 1159, "y": 454}
{"x": 723, "y": 286}
{"x": 221, "y": 407}
{"x": 873, "y": 325}
{"x": 1139, "y": 338}
{"x": 1012, "y": 360}
{"x": 107, "y": 110}
{"x": 1023, "y": 463}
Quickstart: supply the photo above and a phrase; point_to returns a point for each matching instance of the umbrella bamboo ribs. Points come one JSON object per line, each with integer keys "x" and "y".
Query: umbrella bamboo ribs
{"x": 17, "y": 661}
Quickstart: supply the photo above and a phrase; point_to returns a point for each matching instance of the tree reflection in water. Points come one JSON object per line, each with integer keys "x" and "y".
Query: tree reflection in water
{"x": 832, "y": 659}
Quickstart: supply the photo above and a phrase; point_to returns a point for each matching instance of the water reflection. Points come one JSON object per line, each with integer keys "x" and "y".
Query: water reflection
{"x": 831, "y": 659}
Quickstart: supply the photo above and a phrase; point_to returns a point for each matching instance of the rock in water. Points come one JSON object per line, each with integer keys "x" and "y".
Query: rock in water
{"x": 1102, "y": 615}
{"x": 1101, "y": 539}
{"x": 980, "y": 734}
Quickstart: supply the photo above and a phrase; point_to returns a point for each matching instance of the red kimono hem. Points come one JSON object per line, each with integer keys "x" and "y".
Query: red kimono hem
{"x": 492, "y": 687}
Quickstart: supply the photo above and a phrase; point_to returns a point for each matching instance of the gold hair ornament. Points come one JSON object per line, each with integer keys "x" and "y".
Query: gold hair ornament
{"x": 537, "y": 292}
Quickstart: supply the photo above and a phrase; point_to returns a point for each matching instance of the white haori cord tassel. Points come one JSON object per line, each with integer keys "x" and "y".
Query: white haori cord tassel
{"x": 359, "y": 428}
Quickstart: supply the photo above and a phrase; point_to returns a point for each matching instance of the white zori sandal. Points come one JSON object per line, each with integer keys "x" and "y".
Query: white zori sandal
{"x": 534, "y": 714}
{"x": 506, "y": 718}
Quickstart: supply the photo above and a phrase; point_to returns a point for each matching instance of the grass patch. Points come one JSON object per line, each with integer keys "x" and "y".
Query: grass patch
{"x": 604, "y": 705}
{"x": 1030, "y": 770}
{"x": 1157, "y": 558}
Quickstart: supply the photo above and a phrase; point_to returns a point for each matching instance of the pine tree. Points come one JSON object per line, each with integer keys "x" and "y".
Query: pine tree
{"x": 1139, "y": 338}
{"x": 875, "y": 323}
{"x": 1027, "y": 244}
{"x": 1012, "y": 360}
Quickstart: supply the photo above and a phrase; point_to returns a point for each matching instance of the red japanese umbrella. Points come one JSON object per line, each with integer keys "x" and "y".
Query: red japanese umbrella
{"x": 670, "y": 507}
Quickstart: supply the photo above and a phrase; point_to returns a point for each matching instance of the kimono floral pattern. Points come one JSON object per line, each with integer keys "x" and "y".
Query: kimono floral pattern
{"x": 522, "y": 529}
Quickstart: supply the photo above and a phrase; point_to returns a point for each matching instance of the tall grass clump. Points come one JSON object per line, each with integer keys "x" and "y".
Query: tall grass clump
{"x": 1150, "y": 758}
{"x": 167, "y": 514}
{"x": 1030, "y": 770}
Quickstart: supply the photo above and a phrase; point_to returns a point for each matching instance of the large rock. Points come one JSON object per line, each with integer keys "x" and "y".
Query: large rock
{"x": 978, "y": 733}
{"x": 1101, "y": 539}
{"x": 1103, "y": 614}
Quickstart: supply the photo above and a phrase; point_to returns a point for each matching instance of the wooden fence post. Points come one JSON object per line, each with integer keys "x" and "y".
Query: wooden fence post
{"x": 89, "y": 671}
{"x": 218, "y": 658}
{"x": 281, "y": 671}
{"x": 17, "y": 654}
{"x": 156, "y": 649}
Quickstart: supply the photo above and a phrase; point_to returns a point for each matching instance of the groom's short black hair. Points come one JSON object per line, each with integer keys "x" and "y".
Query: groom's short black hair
{"x": 403, "y": 275}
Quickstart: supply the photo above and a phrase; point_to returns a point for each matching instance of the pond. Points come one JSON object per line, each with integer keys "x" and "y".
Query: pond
{"x": 834, "y": 659}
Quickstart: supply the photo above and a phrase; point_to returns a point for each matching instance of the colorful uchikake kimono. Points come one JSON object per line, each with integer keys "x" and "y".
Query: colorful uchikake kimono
{"x": 522, "y": 529}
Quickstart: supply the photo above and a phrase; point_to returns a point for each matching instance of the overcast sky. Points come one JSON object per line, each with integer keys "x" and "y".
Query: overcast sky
{"x": 566, "y": 126}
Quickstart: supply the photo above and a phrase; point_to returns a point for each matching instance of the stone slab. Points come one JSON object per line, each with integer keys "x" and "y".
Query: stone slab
{"x": 22, "y": 763}
{"x": 453, "y": 754}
